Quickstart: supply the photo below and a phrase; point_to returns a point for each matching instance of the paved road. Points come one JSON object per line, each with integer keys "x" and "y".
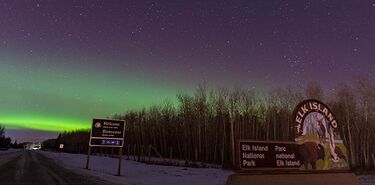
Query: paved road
{"x": 32, "y": 168}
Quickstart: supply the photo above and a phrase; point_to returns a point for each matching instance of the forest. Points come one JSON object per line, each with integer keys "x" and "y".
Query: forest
{"x": 5, "y": 142}
{"x": 202, "y": 127}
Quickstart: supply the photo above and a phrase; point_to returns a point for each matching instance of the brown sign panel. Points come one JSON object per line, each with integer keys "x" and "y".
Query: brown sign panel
{"x": 107, "y": 133}
{"x": 263, "y": 155}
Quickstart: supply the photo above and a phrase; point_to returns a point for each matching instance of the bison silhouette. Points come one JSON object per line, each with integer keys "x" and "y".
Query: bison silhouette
{"x": 310, "y": 152}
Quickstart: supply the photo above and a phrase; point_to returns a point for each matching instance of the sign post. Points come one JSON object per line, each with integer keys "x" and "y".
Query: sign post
{"x": 119, "y": 162}
{"x": 88, "y": 157}
{"x": 107, "y": 133}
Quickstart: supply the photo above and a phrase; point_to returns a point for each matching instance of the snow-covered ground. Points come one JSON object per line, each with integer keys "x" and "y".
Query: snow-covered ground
{"x": 11, "y": 150}
{"x": 367, "y": 179}
{"x": 8, "y": 155}
{"x": 135, "y": 173}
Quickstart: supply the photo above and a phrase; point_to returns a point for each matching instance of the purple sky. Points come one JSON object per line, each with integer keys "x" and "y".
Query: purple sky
{"x": 176, "y": 45}
{"x": 249, "y": 43}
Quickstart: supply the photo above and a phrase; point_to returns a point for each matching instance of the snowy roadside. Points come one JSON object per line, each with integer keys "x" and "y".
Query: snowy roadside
{"x": 135, "y": 173}
{"x": 11, "y": 150}
{"x": 367, "y": 179}
{"x": 8, "y": 154}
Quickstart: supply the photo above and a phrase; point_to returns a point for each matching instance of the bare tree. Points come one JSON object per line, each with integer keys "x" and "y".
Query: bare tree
{"x": 2, "y": 131}
{"x": 203, "y": 127}
{"x": 314, "y": 91}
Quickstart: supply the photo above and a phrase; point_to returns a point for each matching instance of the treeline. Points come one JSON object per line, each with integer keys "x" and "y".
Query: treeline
{"x": 74, "y": 142}
{"x": 5, "y": 142}
{"x": 199, "y": 128}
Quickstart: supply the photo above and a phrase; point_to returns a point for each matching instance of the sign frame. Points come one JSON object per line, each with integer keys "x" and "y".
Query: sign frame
{"x": 107, "y": 138}
{"x": 327, "y": 133}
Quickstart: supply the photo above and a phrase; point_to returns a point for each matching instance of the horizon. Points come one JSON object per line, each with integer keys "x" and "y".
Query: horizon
{"x": 21, "y": 134}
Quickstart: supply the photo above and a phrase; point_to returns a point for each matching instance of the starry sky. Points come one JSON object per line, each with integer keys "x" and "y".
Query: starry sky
{"x": 63, "y": 63}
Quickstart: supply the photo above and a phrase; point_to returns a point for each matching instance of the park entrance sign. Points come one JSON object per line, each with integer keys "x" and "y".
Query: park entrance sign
{"x": 107, "y": 133}
{"x": 316, "y": 132}
{"x": 317, "y": 145}
{"x": 315, "y": 156}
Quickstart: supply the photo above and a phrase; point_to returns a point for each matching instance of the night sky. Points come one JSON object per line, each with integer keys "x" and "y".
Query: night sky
{"x": 63, "y": 63}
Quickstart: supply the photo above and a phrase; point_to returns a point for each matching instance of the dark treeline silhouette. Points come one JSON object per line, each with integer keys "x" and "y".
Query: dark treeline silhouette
{"x": 74, "y": 141}
{"x": 5, "y": 142}
{"x": 199, "y": 128}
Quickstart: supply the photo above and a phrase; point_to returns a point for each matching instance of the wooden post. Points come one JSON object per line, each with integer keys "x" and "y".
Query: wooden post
{"x": 141, "y": 158}
{"x": 134, "y": 147}
{"x": 119, "y": 162}
{"x": 128, "y": 151}
{"x": 170, "y": 155}
{"x": 232, "y": 142}
{"x": 149, "y": 153}
{"x": 196, "y": 155}
{"x": 88, "y": 157}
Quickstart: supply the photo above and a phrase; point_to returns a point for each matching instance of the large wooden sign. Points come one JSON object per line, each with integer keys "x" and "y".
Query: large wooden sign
{"x": 315, "y": 128}
{"x": 263, "y": 155}
{"x": 317, "y": 145}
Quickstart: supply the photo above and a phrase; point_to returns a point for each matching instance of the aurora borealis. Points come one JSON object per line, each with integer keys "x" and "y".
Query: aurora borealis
{"x": 63, "y": 63}
{"x": 56, "y": 99}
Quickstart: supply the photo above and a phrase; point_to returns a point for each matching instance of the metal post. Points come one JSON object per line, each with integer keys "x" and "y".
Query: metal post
{"x": 119, "y": 162}
{"x": 88, "y": 157}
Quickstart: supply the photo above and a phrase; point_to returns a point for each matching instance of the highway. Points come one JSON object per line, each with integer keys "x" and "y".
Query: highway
{"x": 26, "y": 167}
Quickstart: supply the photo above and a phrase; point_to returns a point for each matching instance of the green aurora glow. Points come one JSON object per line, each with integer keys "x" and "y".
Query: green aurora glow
{"x": 57, "y": 98}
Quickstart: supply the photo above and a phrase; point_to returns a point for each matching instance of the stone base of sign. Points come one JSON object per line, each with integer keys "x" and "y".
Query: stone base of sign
{"x": 293, "y": 179}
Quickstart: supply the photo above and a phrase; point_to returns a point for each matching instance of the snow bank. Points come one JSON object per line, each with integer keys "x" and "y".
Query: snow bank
{"x": 135, "y": 173}
{"x": 367, "y": 179}
{"x": 7, "y": 155}
{"x": 10, "y": 150}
